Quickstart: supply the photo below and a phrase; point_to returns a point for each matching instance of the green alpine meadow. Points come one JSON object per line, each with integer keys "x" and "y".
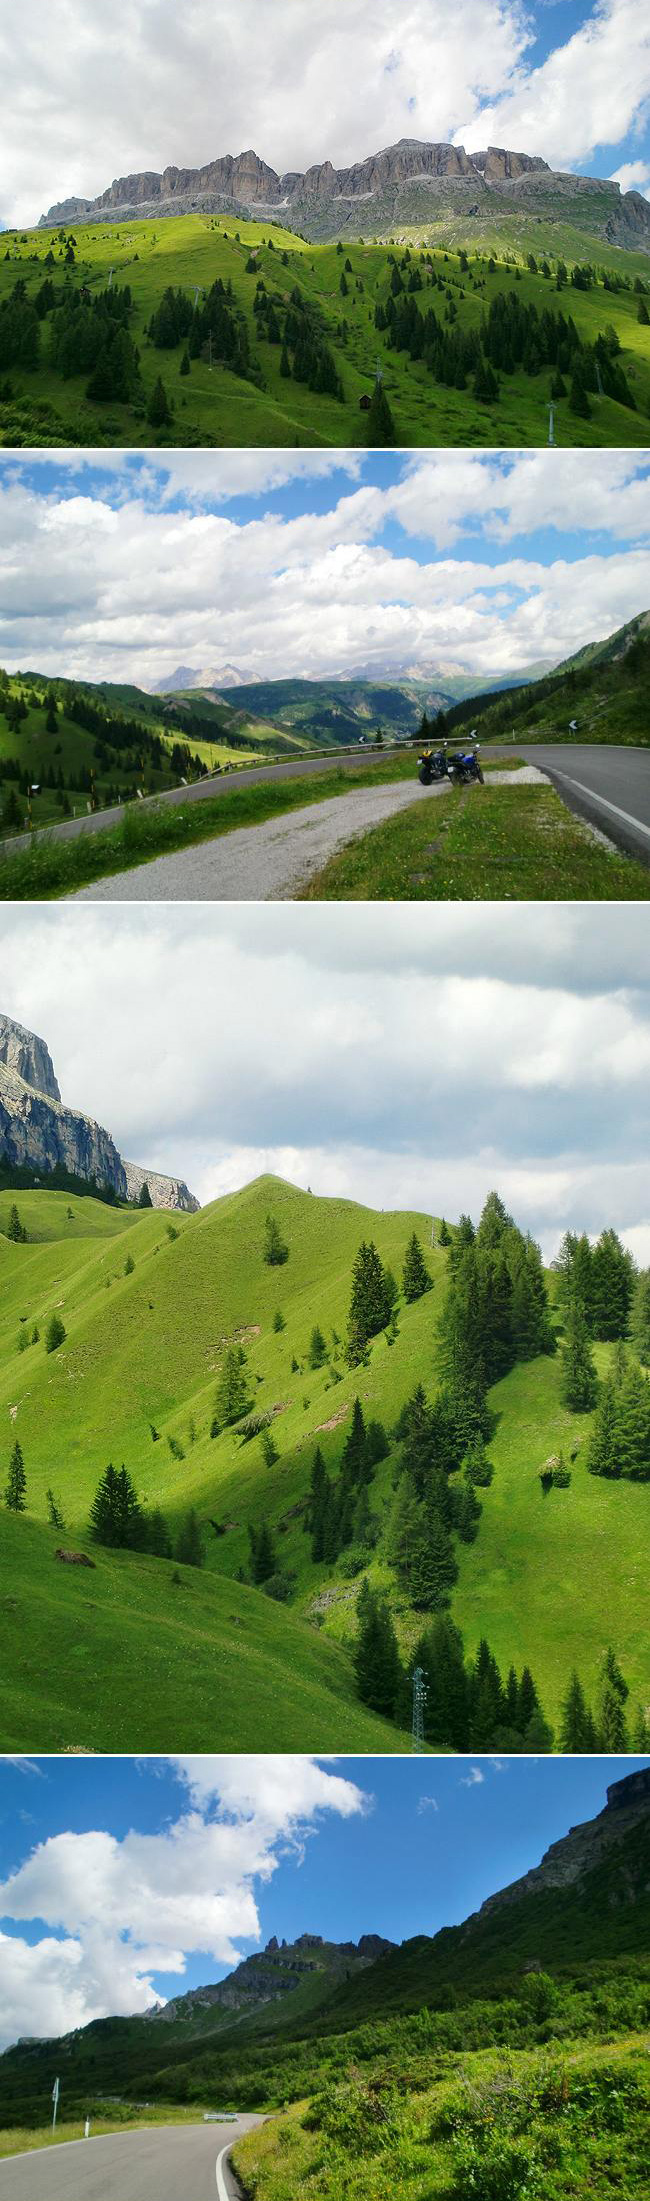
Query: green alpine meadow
{"x": 264, "y": 1460}
{"x": 213, "y": 332}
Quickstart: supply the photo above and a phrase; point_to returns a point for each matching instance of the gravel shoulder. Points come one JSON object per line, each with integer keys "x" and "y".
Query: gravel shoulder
{"x": 274, "y": 861}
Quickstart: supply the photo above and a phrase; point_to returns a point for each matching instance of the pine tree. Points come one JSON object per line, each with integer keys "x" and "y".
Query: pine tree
{"x": 641, "y": 1318}
{"x": 185, "y": 366}
{"x": 145, "y": 1199}
{"x": 602, "y": 1450}
{"x": 370, "y": 1302}
{"x": 467, "y": 1514}
{"x": 158, "y": 412}
{"x": 317, "y": 1348}
{"x": 434, "y": 1569}
{"x": 444, "y": 1233}
{"x": 613, "y": 1280}
{"x": 54, "y": 1513}
{"x": 404, "y": 1530}
{"x": 440, "y": 1654}
{"x": 633, "y": 1425}
{"x": 278, "y": 1322}
{"x": 16, "y": 1231}
{"x": 415, "y": 1275}
{"x": 355, "y": 1464}
{"x": 487, "y": 1699}
{"x": 477, "y": 1468}
{"x": 275, "y": 1252}
{"x": 155, "y": 1535}
{"x": 579, "y": 1382}
{"x": 231, "y": 1399}
{"x": 115, "y": 1515}
{"x": 577, "y": 1731}
{"x": 190, "y": 1550}
{"x": 376, "y": 1656}
{"x": 17, "y": 1482}
{"x": 381, "y": 425}
{"x": 263, "y": 1562}
{"x": 55, "y": 1334}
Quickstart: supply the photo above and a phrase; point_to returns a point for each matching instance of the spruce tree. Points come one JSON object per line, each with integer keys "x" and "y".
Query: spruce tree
{"x": 376, "y": 1656}
{"x": 404, "y": 1530}
{"x": 355, "y": 1464}
{"x": 17, "y": 1481}
{"x": 317, "y": 1348}
{"x": 602, "y": 1450}
{"x": 54, "y": 1514}
{"x": 444, "y": 1233}
{"x": 155, "y": 1534}
{"x": 158, "y": 412}
{"x": 190, "y": 1549}
{"x": 16, "y": 1230}
{"x": 145, "y": 1199}
{"x": 434, "y": 1569}
{"x": 641, "y": 1319}
{"x": 275, "y": 1252}
{"x": 370, "y": 1302}
{"x": 55, "y": 1334}
{"x": 633, "y": 1425}
{"x": 577, "y": 1731}
{"x": 231, "y": 1399}
{"x": 263, "y": 1562}
{"x": 381, "y": 425}
{"x": 487, "y": 1699}
{"x": 415, "y": 1275}
{"x": 115, "y": 1515}
{"x": 613, "y": 1281}
{"x": 439, "y": 1652}
{"x": 579, "y": 1382}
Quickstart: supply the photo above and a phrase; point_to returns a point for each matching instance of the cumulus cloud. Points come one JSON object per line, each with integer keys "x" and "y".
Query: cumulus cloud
{"x": 97, "y": 95}
{"x": 121, "y": 1910}
{"x": 98, "y": 581}
{"x": 634, "y": 175}
{"x": 473, "y": 1779}
{"x": 362, "y": 1037}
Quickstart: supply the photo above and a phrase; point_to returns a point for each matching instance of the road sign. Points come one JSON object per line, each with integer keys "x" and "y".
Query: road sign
{"x": 55, "y": 2099}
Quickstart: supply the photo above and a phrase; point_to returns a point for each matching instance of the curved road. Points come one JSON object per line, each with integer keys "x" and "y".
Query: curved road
{"x": 610, "y": 787}
{"x": 159, "y": 2163}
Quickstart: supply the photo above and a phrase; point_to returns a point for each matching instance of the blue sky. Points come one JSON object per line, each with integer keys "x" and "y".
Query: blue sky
{"x": 560, "y": 78}
{"x": 393, "y": 1846}
{"x": 270, "y": 564}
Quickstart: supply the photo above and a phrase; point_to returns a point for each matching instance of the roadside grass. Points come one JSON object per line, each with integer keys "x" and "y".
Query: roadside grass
{"x": 114, "y": 2117}
{"x": 214, "y": 407}
{"x": 492, "y": 2126}
{"x": 518, "y": 844}
{"x": 52, "y": 867}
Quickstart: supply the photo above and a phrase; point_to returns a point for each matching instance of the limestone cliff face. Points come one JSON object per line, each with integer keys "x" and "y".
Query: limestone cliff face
{"x": 407, "y": 182}
{"x": 38, "y": 1132}
{"x": 628, "y": 1802}
{"x": 28, "y": 1056}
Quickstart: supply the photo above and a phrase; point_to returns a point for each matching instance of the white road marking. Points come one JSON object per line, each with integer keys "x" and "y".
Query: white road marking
{"x": 222, "y": 2188}
{"x": 605, "y": 805}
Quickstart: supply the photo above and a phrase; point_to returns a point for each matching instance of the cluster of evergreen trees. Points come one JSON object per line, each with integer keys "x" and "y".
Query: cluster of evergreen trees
{"x": 119, "y": 1521}
{"x": 496, "y": 1311}
{"x": 89, "y": 335}
{"x": 313, "y": 362}
{"x": 467, "y": 1703}
{"x": 601, "y": 1277}
{"x": 20, "y": 330}
{"x": 372, "y": 1302}
{"x": 619, "y": 1444}
{"x": 338, "y": 1513}
{"x": 211, "y": 327}
{"x": 513, "y": 335}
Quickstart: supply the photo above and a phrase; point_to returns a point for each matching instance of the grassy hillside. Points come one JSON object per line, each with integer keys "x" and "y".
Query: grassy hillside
{"x": 550, "y": 1579}
{"x": 604, "y": 688}
{"x": 264, "y": 405}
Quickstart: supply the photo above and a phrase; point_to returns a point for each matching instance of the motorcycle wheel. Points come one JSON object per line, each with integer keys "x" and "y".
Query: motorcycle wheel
{"x": 425, "y": 777}
{"x": 479, "y": 775}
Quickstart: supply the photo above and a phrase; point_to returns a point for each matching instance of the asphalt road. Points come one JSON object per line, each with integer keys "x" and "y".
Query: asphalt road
{"x": 163, "y": 2163}
{"x": 610, "y": 787}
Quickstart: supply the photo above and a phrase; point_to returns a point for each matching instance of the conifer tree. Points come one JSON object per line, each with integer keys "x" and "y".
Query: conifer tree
{"x": 381, "y": 425}
{"x": 231, "y": 1399}
{"x": 613, "y": 1281}
{"x": 55, "y": 1334}
{"x": 602, "y": 1450}
{"x": 405, "y": 1529}
{"x": 155, "y": 1535}
{"x": 54, "y": 1514}
{"x": 115, "y": 1515}
{"x": 16, "y": 1230}
{"x": 444, "y": 1233}
{"x": 633, "y": 1425}
{"x": 370, "y": 1302}
{"x": 577, "y": 1730}
{"x": 415, "y": 1275}
{"x": 317, "y": 1348}
{"x": 190, "y": 1550}
{"x": 641, "y": 1318}
{"x": 17, "y": 1481}
{"x": 439, "y": 1652}
{"x": 433, "y": 1569}
{"x": 579, "y": 1382}
{"x": 145, "y": 1200}
{"x": 275, "y": 1251}
{"x": 263, "y": 1563}
{"x": 376, "y": 1656}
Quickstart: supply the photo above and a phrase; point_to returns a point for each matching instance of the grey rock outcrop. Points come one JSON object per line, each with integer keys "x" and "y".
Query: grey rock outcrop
{"x": 581, "y": 1849}
{"x": 276, "y": 1972}
{"x": 408, "y": 182}
{"x": 28, "y": 1056}
{"x": 38, "y": 1132}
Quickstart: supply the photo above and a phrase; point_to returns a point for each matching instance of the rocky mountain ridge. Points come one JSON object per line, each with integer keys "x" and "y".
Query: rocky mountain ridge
{"x": 39, "y": 1132}
{"x": 409, "y": 182}
{"x": 278, "y": 1970}
{"x": 567, "y": 1861}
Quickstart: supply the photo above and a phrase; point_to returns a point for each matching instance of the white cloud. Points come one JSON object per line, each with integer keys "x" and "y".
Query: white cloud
{"x": 474, "y": 1779}
{"x": 129, "y": 1908}
{"x": 94, "y": 590}
{"x": 427, "y": 1803}
{"x": 589, "y": 92}
{"x": 634, "y": 176}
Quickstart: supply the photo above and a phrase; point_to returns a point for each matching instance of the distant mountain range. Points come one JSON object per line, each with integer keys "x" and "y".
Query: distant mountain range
{"x": 407, "y": 183}
{"x": 39, "y": 1134}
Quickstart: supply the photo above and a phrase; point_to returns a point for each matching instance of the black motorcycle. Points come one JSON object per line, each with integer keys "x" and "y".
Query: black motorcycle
{"x": 432, "y": 765}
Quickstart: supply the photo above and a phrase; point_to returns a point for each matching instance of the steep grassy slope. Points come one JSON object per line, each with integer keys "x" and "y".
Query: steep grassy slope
{"x": 551, "y": 1580}
{"x": 216, "y": 406}
{"x": 604, "y": 689}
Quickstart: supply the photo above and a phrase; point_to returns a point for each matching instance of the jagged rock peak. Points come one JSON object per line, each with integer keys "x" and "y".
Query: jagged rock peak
{"x": 576, "y": 1853}
{"x": 23, "y": 1052}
